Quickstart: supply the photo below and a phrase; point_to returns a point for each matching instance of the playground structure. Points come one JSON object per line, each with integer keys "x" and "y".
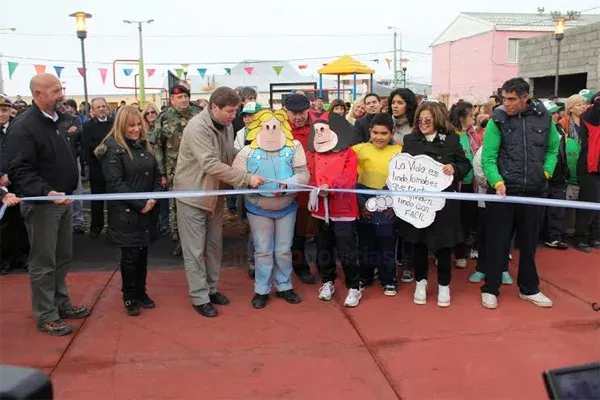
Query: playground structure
{"x": 344, "y": 65}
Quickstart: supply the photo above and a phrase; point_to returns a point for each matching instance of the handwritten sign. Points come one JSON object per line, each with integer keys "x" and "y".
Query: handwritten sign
{"x": 416, "y": 174}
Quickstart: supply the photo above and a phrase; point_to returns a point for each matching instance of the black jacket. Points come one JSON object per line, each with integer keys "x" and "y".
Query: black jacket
{"x": 127, "y": 226}
{"x": 74, "y": 137}
{"x": 3, "y": 150}
{"x": 523, "y": 150}
{"x": 445, "y": 231}
{"x": 41, "y": 156}
{"x": 93, "y": 134}
{"x": 362, "y": 129}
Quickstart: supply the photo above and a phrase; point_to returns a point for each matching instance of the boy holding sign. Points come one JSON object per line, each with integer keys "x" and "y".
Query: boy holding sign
{"x": 375, "y": 229}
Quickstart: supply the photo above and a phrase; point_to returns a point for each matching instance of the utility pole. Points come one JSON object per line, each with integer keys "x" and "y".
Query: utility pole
{"x": 397, "y": 35}
{"x": 141, "y": 59}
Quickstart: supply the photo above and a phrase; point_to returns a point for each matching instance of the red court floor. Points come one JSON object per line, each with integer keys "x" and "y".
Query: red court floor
{"x": 386, "y": 348}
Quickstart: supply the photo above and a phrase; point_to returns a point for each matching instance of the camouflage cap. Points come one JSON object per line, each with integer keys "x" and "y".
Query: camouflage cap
{"x": 5, "y": 101}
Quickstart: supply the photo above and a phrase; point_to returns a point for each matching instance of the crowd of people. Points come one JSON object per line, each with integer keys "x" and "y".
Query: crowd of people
{"x": 513, "y": 145}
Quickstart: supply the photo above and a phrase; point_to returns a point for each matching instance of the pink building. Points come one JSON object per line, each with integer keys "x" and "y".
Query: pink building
{"x": 478, "y": 52}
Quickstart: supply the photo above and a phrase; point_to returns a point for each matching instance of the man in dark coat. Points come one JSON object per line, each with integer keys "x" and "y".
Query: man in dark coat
{"x": 42, "y": 164}
{"x": 94, "y": 131}
{"x": 362, "y": 126}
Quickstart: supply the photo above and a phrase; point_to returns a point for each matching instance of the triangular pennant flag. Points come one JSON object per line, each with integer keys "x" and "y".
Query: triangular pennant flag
{"x": 150, "y": 71}
{"x": 39, "y": 68}
{"x": 103, "y": 72}
{"x": 376, "y": 60}
{"x": 11, "y": 68}
{"x": 58, "y": 70}
{"x": 389, "y": 62}
{"x": 127, "y": 71}
{"x": 80, "y": 70}
{"x": 202, "y": 72}
{"x": 249, "y": 70}
{"x": 228, "y": 70}
{"x": 325, "y": 64}
{"x": 178, "y": 72}
{"x": 278, "y": 69}
{"x": 302, "y": 66}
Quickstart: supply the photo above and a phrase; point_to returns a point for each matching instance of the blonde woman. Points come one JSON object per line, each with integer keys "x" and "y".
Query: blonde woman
{"x": 150, "y": 113}
{"x": 357, "y": 111}
{"x": 275, "y": 155}
{"x": 571, "y": 122}
{"x": 129, "y": 166}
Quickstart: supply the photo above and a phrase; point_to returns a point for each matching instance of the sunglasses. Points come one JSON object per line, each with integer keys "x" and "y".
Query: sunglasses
{"x": 150, "y": 113}
{"x": 426, "y": 121}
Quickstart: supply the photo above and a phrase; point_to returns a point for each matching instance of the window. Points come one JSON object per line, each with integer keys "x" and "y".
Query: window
{"x": 513, "y": 50}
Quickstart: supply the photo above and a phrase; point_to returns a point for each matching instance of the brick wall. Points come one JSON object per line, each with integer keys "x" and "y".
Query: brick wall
{"x": 579, "y": 53}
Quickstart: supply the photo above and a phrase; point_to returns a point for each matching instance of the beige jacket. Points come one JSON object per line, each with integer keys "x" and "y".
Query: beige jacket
{"x": 204, "y": 161}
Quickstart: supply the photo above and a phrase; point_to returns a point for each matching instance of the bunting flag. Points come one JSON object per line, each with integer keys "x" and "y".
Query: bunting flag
{"x": 80, "y": 70}
{"x": 202, "y": 72}
{"x": 389, "y": 62}
{"x": 39, "y": 68}
{"x": 150, "y": 71}
{"x": 127, "y": 71}
{"x": 325, "y": 64}
{"x": 249, "y": 70}
{"x": 58, "y": 70}
{"x": 278, "y": 69}
{"x": 228, "y": 70}
{"x": 11, "y": 68}
{"x": 376, "y": 60}
{"x": 178, "y": 72}
{"x": 302, "y": 66}
{"x": 103, "y": 72}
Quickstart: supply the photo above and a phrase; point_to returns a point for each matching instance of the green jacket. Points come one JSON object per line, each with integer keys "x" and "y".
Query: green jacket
{"x": 573, "y": 149}
{"x": 464, "y": 142}
{"x": 492, "y": 142}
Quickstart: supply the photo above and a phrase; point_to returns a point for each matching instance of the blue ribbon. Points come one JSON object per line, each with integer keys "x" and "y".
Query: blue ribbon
{"x": 544, "y": 202}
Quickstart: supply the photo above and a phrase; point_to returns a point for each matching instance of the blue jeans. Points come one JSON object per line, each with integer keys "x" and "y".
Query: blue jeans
{"x": 272, "y": 237}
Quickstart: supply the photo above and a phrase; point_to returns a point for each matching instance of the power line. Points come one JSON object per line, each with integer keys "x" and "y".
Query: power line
{"x": 206, "y": 35}
{"x": 250, "y": 62}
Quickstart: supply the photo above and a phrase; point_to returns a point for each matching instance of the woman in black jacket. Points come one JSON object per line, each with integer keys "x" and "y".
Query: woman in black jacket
{"x": 434, "y": 136}
{"x": 129, "y": 166}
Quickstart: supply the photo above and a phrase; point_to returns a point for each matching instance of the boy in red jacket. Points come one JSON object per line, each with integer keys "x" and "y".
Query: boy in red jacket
{"x": 333, "y": 165}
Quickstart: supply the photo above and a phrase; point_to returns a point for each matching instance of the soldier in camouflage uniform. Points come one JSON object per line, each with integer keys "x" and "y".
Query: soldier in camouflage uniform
{"x": 168, "y": 130}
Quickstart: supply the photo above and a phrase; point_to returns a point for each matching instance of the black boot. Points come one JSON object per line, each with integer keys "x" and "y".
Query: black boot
{"x": 260, "y": 301}
{"x": 133, "y": 307}
{"x": 142, "y": 273}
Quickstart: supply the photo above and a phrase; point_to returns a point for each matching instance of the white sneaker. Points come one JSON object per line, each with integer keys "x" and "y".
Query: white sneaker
{"x": 461, "y": 263}
{"x": 326, "y": 291}
{"x": 539, "y": 299}
{"x": 443, "y": 296}
{"x": 474, "y": 254}
{"x": 353, "y": 298}
{"x": 420, "y": 296}
{"x": 489, "y": 301}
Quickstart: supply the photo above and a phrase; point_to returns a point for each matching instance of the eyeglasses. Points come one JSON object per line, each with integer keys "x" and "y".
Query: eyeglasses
{"x": 426, "y": 121}
{"x": 150, "y": 113}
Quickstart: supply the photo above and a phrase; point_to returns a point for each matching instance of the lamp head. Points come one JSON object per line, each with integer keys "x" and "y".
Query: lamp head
{"x": 80, "y": 25}
{"x": 559, "y": 28}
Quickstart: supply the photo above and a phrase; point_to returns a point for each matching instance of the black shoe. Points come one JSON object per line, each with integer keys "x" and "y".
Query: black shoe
{"x": 177, "y": 252}
{"x": 289, "y": 296}
{"x": 147, "y": 302}
{"x": 218, "y": 299}
{"x": 133, "y": 307}
{"x": 306, "y": 277}
{"x": 5, "y": 268}
{"x": 74, "y": 312}
{"x": 251, "y": 272}
{"x": 260, "y": 300}
{"x": 584, "y": 247}
{"x": 78, "y": 230}
{"x": 55, "y": 328}
{"x": 595, "y": 244}
{"x": 206, "y": 310}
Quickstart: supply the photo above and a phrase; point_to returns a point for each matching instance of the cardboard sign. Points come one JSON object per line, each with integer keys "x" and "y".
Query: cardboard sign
{"x": 419, "y": 174}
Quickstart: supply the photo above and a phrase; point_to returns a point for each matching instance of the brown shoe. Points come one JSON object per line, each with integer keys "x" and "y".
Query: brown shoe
{"x": 74, "y": 312}
{"x": 55, "y": 328}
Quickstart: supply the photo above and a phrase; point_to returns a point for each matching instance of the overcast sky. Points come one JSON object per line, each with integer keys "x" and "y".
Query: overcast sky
{"x": 216, "y": 34}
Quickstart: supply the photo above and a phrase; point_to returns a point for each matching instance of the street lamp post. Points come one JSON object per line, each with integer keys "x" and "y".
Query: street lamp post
{"x": 559, "y": 34}
{"x": 1, "y": 75}
{"x": 404, "y": 64}
{"x": 184, "y": 68}
{"x": 141, "y": 59}
{"x": 397, "y": 34}
{"x": 80, "y": 26}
